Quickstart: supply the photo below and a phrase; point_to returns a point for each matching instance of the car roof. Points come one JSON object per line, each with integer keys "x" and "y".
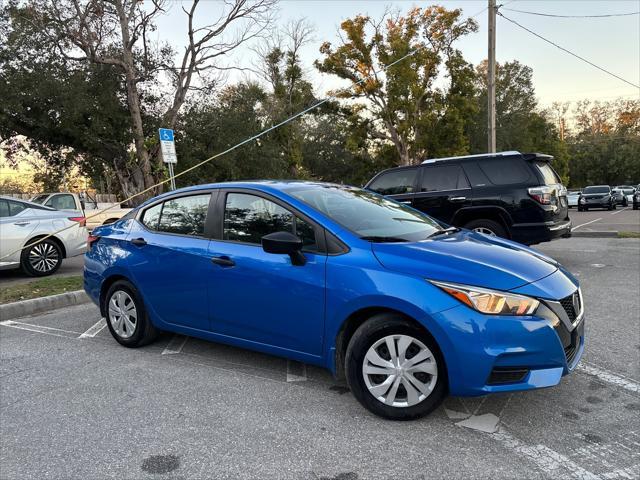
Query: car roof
{"x": 508, "y": 153}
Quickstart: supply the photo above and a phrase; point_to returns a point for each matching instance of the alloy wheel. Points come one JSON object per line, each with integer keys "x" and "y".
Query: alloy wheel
{"x": 485, "y": 231}
{"x": 123, "y": 314}
{"x": 400, "y": 371}
{"x": 43, "y": 257}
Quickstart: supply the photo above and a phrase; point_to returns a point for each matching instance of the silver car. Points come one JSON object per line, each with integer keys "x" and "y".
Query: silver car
{"x": 572, "y": 197}
{"x": 22, "y": 223}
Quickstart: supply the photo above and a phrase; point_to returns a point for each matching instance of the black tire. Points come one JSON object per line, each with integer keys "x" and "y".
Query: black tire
{"x": 378, "y": 327}
{"x": 41, "y": 259}
{"x": 144, "y": 331}
{"x": 625, "y": 202}
{"x": 635, "y": 206}
{"x": 612, "y": 206}
{"x": 487, "y": 224}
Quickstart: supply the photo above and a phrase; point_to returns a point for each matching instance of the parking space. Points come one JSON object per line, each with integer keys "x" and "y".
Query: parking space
{"x": 69, "y": 267}
{"x": 620, "y": 220}
{"x": 74, "y": 404}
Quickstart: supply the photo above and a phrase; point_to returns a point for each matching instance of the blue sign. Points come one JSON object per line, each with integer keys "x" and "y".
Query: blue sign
{"x": 166, "y": 135}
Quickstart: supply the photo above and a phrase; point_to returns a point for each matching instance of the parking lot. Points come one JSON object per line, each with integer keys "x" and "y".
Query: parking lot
{"x": 75, "y": 404}
{"x": 620, "y": 220}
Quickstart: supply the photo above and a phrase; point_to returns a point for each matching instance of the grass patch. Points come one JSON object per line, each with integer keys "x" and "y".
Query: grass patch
{"x": 42, "y": 287}
{"x": 628, "y": 234}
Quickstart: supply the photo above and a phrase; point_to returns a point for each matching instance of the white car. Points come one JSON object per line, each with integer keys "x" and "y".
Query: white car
{"x": 572, "y": 197}
{"x": 627, "y": 191}
{"x": 22, "y": 223}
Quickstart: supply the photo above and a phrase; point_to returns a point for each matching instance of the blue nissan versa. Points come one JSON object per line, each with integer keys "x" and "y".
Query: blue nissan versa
{"x": 343, "y": 278}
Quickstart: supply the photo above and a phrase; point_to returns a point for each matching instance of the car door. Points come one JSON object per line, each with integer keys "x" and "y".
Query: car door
{"x": 442, "y": 191}
{"x": 168, "y": 248}
{"x": 16, "y": 225}
{"x": 398, "y": 184}
{"x": 262, "y": 297}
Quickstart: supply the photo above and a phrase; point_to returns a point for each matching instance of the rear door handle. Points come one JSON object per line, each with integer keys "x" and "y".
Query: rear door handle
{"x": 457, "y": 199}
{"x": 22, "y": 224}
{"x": 139, "y": 242}
{"x": 223, "y": 261}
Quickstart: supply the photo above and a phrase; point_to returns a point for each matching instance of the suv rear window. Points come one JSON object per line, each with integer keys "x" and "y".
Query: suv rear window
{"x": 549, "y": 176}
{"x": 395, "y": 182}
{"x": 505, "y": 171}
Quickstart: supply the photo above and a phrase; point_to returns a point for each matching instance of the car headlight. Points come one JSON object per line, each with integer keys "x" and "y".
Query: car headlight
{"x": 490, "y": 302}
{"x": 582, "y": 200}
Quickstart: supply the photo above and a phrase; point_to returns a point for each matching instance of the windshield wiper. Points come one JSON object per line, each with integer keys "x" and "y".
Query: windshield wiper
{"x": 444, "y": 231}
{"x": 380, "y": 239}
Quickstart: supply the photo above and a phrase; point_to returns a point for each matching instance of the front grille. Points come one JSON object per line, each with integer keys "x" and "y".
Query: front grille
{"x": 500, "y": 375}
{"x": 568, "y": 305}
{"x": 570, "y": 353}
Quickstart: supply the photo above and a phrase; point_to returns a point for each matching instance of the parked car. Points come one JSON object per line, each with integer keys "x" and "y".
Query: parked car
{"x": 342, "y": 278}
{"x": 626, "y": 192}
{"x": 636, "y": 198}
{"x": 572, "y": 198}
{"x": 508, "y": 194}
{"x": 72, "y": 201}
{"x": 22, "y": 223}
{"x": 597, "y": 196}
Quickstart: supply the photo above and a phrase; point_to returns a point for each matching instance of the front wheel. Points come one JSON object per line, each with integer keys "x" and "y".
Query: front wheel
{"x": 126, "y": 316}
{"x": 395, "y": 369}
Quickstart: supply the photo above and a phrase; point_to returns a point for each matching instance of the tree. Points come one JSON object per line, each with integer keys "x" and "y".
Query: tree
{"x": 115, "y": 35}
{"x": 404, "y": 105}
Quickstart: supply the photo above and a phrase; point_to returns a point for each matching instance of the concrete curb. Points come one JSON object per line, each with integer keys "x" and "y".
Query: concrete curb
{"x": 42, "y": 304}
{"x": 588, "y": 234}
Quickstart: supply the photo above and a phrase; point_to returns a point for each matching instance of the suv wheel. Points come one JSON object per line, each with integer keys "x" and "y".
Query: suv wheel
{"x": 126, "y": 316}
{"x": 487, "y": 227}
{"x": 43, "y": 258}
{"x": 395, "y": 369}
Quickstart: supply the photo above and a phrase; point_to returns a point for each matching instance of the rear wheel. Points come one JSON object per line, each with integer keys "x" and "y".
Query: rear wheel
{"x": 487, "y": 227}
{"x": 126, "y": 316}
{"x": 42, "y": 259}
{"x": 395, "y": 369}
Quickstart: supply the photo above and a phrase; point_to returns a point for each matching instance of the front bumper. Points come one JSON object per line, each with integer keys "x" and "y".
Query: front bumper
{"x": 488, "y": 354}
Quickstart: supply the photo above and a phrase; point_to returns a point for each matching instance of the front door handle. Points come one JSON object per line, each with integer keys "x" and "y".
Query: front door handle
{"x": 408, "y": 202}
{"x": 457, "y": 199}
{"x": 223, "y": 261}
{"x": 139, "y": 242}
{"x": 22, "y": 224}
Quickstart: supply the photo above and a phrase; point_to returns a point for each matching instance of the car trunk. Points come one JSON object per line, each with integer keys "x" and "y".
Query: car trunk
{"x": 549, "y": 178}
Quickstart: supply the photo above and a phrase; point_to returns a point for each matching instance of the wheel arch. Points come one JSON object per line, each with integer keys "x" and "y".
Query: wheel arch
{"x": 497, "y": 214}
{"x": 106, "y": 284}
{"x": 359, "y": 317}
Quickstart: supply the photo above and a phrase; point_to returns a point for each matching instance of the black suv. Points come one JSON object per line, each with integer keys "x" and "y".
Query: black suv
{"x": 510, "y": 194}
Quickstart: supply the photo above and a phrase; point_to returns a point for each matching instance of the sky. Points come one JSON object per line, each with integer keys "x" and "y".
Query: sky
{"x": 612, "y": 43}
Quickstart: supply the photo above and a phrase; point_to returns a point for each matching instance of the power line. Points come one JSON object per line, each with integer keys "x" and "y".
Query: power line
{"x": 569, "y": 52}
{"x": 573, "y": 16}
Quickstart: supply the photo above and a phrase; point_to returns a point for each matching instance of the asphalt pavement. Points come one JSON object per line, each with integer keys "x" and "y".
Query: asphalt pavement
{"x": 620, "y": 220}
{"x": 183, "y": 408}
{"x": 70, "y": 266}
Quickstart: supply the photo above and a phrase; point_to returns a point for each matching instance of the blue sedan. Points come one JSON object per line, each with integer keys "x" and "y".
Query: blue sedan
{"x": 405, "y": 309}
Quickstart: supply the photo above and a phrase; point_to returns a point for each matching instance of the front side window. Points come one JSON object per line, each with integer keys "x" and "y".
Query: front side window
{"x": 366, "y": 214}
{"x": 61, "y": 202}
{"x": 442, "y": 178}
{"x": 395, "y": 182}
{"x": 248, "y": 218}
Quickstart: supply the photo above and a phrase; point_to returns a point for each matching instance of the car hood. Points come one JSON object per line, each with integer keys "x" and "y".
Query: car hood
{"x": 469, "y": 258}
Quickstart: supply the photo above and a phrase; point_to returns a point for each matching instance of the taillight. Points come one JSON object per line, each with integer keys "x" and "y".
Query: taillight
{"x": 91, "y": 240}
{"x": 81, "y": 220}
{"x": 543, "y": 195}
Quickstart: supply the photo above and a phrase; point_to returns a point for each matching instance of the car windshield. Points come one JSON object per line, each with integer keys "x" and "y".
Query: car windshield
{"x": 596, "y": 190}
{"x": 368, "y": 215}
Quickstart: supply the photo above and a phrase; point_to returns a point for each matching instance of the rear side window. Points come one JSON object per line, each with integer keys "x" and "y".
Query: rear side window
{"x": 395, "y": 182}
{"x": 61, "y": 202}
{"x": 443, "y": 177}
{"x": 10, "y": 209}
{"x": 549, "y": 176}
{"x": 182, "y": 215}
{"x": 505, "y": 171}
{"x": 4, "y": 208}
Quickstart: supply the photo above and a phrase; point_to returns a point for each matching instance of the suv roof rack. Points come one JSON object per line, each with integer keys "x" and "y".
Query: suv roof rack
{"x": 478, "y": 155}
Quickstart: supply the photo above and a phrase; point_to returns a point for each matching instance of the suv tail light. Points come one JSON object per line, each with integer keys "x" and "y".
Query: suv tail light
{"x": 91, "y": 240}
{"x": 543, "y": 195}
{"x": 81, "y": 220}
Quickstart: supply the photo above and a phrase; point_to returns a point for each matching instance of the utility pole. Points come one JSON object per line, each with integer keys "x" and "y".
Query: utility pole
{"x": 491, "y": 78}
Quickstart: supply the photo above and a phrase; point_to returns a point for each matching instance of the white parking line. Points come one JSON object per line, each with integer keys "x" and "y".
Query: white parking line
{"x": 175, "y": 345}
{"x": 94, "y": 329}
{"x": 583, "y": 224}
{"x": 296, "y": 371}
{"x": 609, "y": 377}
{"x": 620, "y": 211}
{"x": 57, "y": 332}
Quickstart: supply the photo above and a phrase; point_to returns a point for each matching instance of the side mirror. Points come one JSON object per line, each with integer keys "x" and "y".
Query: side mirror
{"x": 284, "y": 243}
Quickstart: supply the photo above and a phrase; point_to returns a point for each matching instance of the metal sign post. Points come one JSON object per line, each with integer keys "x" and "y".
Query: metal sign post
{"x": 169, "y": 156}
